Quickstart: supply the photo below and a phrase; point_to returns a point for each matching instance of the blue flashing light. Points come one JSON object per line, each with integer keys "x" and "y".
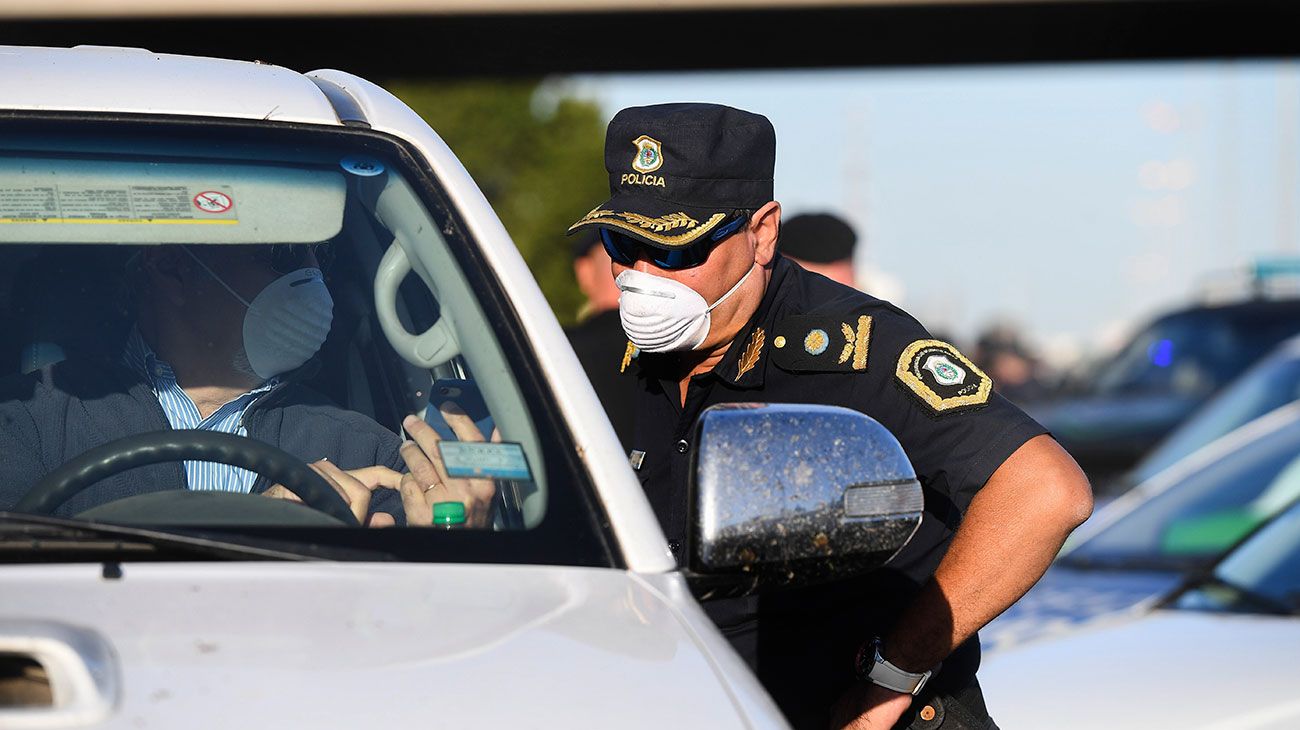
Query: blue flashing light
{"x": 1161, "y": 353}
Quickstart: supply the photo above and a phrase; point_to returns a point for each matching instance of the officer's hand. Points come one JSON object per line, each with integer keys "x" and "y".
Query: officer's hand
{"x": 354, "y": 486}
{"x": 426, "y": 483}
{"x": 868, "y": 706}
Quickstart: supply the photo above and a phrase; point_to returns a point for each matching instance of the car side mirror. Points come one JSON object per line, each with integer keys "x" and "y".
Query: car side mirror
{"x": 786, "y": 495}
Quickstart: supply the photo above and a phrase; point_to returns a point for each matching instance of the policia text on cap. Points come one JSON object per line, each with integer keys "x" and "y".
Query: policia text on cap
{"x": 714, "y": 315}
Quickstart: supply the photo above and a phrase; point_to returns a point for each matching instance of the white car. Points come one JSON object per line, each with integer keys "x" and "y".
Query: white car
{"x": 1219, "y": 653}
{"x": 1176, "y": 524}
{"x": 128, "y": 600}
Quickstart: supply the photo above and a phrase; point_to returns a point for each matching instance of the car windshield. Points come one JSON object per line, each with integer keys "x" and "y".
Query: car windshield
{"x": 1192, "y": 354}
{"x": 1262, "y": 575}
{"x": 306, "y": 290}
{"x": 1269, "y": 385}
{"x": 1204, "y": 512}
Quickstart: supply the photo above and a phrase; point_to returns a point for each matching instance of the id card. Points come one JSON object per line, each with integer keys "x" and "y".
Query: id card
{"x": 479, "y": 459}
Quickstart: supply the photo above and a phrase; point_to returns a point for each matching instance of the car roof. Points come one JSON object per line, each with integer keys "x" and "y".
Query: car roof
{"x": 1245, "y": 308}
{"x": 136, "y": 81}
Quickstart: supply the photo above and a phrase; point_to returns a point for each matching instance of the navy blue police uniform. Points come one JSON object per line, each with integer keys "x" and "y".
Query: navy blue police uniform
{"x": 815, "y": 341}
{"x": 811, "y": 340}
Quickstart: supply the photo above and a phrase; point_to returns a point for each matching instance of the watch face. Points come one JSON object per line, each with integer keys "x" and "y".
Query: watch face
{"x": 865, "y": 659}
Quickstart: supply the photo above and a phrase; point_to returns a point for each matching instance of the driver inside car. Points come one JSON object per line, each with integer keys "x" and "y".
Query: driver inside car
{"x": 218, "y": 335}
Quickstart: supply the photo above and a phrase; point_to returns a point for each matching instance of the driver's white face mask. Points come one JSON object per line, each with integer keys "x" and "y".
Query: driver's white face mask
{"x": 664, "y": 315}
{"x": 286, "y": 323}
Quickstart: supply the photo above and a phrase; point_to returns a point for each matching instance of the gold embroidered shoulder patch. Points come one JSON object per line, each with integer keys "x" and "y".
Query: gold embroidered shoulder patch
{"x": 942, "y": 378}
{"x": 820, "y": 343}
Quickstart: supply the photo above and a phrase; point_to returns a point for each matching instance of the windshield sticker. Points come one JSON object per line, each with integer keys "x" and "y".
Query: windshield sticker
{"x": 140, "y": 204}
{"x": 363, "y": 166}
{"x": 482, "y": 459}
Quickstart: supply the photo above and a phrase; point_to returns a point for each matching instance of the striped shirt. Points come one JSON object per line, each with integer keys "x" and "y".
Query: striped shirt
{"x": 183, "y": 414}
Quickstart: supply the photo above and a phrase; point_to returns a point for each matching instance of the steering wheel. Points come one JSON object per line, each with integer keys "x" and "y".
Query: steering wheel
{"x": 157, "y": 447}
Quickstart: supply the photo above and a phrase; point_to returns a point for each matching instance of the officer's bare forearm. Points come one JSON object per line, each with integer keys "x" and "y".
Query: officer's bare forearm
{"x": 1010, "y": 534}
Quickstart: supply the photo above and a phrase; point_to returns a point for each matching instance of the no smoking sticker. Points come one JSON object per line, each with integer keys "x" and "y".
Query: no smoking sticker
{"x": 212, "y": 201}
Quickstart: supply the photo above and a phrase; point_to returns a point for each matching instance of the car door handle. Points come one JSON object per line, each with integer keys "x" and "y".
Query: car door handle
{"x": 78, "y": 665}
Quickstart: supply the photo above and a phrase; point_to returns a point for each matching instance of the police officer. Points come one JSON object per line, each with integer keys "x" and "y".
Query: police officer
{"x": 715, "y": 315}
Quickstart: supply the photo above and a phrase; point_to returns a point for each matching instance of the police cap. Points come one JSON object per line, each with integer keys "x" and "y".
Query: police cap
{"x": 819, "y": 238}
{"x": 676, "y": 171}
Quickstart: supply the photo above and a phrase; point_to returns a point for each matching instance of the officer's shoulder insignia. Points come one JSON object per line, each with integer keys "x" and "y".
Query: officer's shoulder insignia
{"x": 941, "y": 377}
{"x": 822, "y": 343}
{"x": 629, "y": 355}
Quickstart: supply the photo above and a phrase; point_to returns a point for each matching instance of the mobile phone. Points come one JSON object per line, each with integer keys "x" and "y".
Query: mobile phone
{"x": 464, "y": 393}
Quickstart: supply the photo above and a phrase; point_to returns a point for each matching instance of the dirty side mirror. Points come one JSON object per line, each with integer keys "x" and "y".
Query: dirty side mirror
{"x": 786, "y": 495}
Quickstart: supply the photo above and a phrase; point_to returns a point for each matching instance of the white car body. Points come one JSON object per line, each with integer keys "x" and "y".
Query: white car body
{"x": 1169, "y": 668}
{"x": 341, "y": 645}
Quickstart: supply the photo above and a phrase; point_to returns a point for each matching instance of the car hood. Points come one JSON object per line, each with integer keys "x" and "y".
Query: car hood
{"x": 1066, "y": 599}
{"x": 1178, "y": 669}
{"x": 335, "y": 645}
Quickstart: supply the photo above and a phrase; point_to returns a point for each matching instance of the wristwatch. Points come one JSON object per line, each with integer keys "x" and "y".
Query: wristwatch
{"x": 873, "y": 667}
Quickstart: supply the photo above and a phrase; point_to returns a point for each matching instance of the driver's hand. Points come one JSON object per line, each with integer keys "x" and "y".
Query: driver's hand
{"x": 426, "y": 482}
{"x": 354, "y": 486}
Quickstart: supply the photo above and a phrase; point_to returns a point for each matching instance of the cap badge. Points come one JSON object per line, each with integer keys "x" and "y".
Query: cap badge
{"x": 649, "y": 155}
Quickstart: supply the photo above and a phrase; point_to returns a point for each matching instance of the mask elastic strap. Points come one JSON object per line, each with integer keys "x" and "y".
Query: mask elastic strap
{"x": 213, "y": 274}
{"x": 731, "y": 291}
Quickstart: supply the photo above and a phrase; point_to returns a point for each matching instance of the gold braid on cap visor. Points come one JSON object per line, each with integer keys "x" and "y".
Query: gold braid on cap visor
{"x": 652, "y": 228}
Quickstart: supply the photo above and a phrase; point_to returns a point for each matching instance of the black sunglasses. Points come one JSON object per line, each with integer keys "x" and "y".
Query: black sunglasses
{"x": 625, "y": 249}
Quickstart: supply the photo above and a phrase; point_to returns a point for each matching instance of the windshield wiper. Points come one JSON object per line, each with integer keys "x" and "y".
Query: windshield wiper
{"x": 1260, "y": 602}
{"x": 39, "y": 538}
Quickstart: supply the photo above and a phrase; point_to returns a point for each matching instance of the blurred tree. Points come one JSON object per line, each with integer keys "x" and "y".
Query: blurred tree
{"x": 538, "y": 155}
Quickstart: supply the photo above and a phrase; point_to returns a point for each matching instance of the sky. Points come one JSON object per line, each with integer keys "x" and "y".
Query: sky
{"x": 1072, "y": 201}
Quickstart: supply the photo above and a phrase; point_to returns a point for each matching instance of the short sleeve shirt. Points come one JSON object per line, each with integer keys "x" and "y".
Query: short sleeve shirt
{"x": 815, "y": 341}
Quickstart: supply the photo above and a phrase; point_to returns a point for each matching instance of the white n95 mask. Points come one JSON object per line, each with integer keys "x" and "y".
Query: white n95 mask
{"x": 664, "y": 315}
{"x": 286, "y": 323}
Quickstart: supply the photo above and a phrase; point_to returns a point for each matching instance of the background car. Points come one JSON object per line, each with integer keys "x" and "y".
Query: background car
{"x": 1269, "y": 384}
{"x": 1145, "y": 542}
{"x": 1217, "y": 653}
{"x": 1165, "y": 372}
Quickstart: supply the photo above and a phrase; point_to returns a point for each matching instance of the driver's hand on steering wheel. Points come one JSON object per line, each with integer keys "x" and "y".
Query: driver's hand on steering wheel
{"x": 354, "y": 486}
{"x": 426, "y": 482}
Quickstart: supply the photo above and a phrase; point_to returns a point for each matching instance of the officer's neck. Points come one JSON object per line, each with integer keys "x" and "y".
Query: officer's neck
{"x": 726, "y": 328}
{"x": 700, "y": 362}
